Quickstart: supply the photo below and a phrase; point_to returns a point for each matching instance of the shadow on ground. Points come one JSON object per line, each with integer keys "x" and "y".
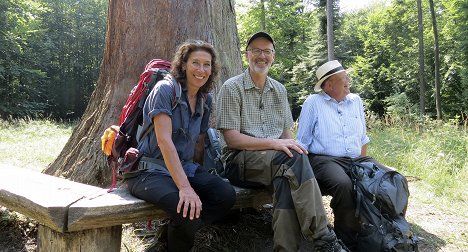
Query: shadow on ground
{"x": 17, "y": 233}
{"x": 428, "y": 242}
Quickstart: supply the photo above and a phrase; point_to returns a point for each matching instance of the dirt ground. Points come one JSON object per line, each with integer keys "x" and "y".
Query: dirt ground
{"x": 441, "y": 226}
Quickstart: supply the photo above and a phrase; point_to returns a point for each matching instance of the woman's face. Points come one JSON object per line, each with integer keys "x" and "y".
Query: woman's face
{"x": 198, "y": 69}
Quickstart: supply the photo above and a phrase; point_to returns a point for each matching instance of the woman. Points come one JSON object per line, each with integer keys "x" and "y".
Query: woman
{"x": 172, "y": 177}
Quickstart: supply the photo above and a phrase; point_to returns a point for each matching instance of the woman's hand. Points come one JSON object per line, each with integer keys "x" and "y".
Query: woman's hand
{"x": 189, "y": 199}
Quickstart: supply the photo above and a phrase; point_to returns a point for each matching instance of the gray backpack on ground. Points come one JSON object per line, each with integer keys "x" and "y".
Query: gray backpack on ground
{"x": 381, "y": 201}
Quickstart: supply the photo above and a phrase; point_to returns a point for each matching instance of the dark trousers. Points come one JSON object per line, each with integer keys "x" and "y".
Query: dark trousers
{"x": 333, "y": 180}
{"x": 217, "y": 197}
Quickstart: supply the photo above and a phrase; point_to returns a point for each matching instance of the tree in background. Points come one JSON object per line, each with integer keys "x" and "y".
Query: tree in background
{"x": 380, "y": 45}
{"x": 21, "y": 40}
{"x": 303, "y": 73}
{"x": 330, "y": 31}
{"x": 75, "y": 31}
{"x": 453, "y": 23}
{"x": 51, "y": 51}
{"x": 436, "y": 61}
{"x": 384, "y": 66}
{"x": 422, "y": 82}
{"x": 131, "y": 42}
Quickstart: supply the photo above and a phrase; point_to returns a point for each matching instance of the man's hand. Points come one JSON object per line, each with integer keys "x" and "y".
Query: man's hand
{"x": 189, "y": 198}
{"x": 287, "y": 145}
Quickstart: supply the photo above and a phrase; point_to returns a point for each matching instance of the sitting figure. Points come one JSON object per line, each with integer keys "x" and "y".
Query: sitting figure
{"x": 332, "y": 128}
{"x": 170, "y": 175}
{"x": 255, "y": 121}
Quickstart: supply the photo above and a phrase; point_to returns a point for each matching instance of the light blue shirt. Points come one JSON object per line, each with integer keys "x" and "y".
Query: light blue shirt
{"x": 328, "y": 127}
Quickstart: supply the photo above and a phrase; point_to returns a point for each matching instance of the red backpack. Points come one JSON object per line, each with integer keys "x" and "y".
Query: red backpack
{"x": 119, "y": 142}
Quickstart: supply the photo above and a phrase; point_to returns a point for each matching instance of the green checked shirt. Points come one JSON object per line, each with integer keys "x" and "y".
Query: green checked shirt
{"x": 258, "y": 113}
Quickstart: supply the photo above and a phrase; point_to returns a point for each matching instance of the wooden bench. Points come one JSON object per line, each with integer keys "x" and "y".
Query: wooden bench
{"x": 80, "y": 217}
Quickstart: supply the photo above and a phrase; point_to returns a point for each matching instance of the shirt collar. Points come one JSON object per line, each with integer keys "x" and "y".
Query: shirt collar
{"x": 329, "y": 98}
{"x": 249, "y": 84}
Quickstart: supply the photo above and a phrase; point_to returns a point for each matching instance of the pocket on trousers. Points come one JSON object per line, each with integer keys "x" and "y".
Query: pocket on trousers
{"x": 238, "y": 173}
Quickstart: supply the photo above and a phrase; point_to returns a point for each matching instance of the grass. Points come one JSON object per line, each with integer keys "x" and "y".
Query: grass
{"x": 32, "y": 144}
{"x": 435, "y": 152}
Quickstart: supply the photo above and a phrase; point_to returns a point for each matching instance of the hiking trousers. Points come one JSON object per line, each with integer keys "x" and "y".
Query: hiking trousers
{"x": 297, "y": 202}
{"x": 217, "y": 197}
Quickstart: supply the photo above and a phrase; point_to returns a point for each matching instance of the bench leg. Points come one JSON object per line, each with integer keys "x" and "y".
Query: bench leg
{"x": 100, "y": 239}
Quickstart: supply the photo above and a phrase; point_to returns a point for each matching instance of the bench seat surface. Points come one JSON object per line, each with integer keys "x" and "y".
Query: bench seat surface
{"x": 68, "y": 206}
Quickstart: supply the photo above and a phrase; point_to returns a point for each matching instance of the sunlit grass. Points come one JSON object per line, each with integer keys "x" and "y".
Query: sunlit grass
{"x": 435, "y": 153}
{"x": 32, "y": 144}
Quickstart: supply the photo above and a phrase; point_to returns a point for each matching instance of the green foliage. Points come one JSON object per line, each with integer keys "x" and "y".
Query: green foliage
{"x": 50, "y": 55}
{"x": 385, "y": 60}
{"x": 289, "y": 23}
{"x": 20, "y": 79}
{"x": 285, "y": 20}
{"x": 453, "y": 29}
{"x": 433, "y": 151}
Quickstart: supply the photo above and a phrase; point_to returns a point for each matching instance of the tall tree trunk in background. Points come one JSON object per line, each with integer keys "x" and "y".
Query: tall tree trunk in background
{"x": 138, "y": 31}
{"x": 330, "y": 32}
{"x": 422, "y": 84}
{"x": 263, "y": 15}
{"x": 436, "y": 62}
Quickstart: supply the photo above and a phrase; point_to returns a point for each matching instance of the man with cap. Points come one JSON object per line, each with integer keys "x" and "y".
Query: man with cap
{"x": 332, "y": 128}
{"x": 255, "y": 121}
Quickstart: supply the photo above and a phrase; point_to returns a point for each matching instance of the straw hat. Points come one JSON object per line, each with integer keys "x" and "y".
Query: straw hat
{"x": 326, "y": 70}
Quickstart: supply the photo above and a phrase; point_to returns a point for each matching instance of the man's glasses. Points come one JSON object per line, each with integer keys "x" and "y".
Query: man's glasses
{"x": 257, "y": 52}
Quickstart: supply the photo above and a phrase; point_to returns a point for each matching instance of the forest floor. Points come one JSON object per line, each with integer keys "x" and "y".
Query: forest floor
{"x": 440, "y": 225}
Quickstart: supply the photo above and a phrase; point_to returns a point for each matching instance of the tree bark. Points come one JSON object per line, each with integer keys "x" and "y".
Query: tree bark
{"x": 422, "y": 83}
{"x": 330, "y": 32}
{"x": 138, "y": 31}
{"x": 436, "y": 62}
{"x": 263, "y": 16}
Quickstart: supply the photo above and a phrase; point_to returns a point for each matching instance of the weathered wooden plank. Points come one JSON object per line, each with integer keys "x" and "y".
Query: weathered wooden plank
{"x": 94, "y": 211}
{"x": 251, "y": 197}
{"x": 67, "y": 206}
{"x": 39, "y": 196}
{"x": 110, "y": 209}
{"x": 106, "y": 239}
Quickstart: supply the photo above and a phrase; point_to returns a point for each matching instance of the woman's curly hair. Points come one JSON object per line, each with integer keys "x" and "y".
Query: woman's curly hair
{"x": 181, "y": 57}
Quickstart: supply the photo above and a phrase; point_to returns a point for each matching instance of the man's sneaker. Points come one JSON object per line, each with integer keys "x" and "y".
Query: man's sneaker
{"x": 329, "y": 243}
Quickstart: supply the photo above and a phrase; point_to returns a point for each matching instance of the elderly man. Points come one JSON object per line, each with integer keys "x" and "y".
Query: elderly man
{"x": 254, "y": 118}
{"x": 332, "y": 128}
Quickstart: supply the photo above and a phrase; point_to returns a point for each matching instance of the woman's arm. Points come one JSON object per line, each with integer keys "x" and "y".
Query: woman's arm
{"x": 188, "y": 197}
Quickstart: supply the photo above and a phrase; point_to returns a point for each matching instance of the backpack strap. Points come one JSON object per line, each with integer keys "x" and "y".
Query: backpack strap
{"x": 176, "y": 90}
{"x": 176, "y": 93}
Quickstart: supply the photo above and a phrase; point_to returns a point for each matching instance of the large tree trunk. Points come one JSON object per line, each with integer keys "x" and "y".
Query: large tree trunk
{"x": 138, "y": 31}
